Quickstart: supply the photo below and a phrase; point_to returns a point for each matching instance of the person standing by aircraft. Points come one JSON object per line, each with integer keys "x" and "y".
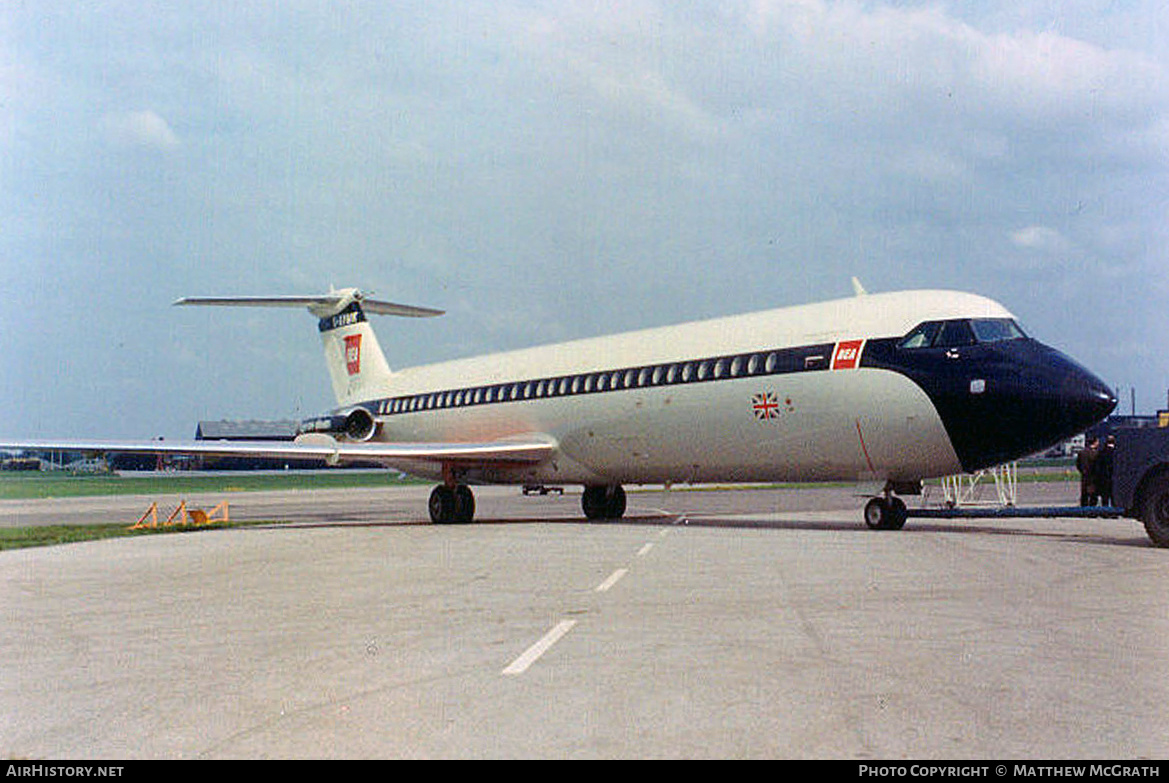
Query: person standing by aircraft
{"x": 1086, "y": 464}
{"x": 1104, "y": 463}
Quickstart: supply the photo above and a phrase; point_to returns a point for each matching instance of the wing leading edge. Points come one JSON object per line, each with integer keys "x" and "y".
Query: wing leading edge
{"x": 512, "y": 451}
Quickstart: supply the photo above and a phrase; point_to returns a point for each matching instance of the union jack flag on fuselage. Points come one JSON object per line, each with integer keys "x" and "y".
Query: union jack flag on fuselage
{"x": 765, "y": 405}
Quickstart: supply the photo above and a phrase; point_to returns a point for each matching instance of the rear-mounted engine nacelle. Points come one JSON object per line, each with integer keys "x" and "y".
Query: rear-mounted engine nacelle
{"x": 357, "y": 425}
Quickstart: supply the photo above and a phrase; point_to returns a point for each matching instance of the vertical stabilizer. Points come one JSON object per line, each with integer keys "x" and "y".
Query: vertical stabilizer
{"x": 357, "y": 366}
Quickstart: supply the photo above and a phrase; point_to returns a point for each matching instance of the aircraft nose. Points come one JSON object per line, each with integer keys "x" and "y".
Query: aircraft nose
{"x": 1034, "y": 398}
{"x": 1005, "y": 400}
{"x": 1084, "y": 399}
{"x": 1057, "y": 397}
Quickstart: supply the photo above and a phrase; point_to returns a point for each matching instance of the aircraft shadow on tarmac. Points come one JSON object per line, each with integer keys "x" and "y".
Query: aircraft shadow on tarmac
{"x": 913, "y": 527}
{"x": 663, "y": 518}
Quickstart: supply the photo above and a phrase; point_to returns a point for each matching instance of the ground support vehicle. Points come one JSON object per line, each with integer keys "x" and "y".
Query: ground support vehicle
{"x": 1140, "y": 489}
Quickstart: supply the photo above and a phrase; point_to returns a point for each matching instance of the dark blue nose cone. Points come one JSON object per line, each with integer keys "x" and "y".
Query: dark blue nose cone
{"x": 1032, "y": 398}
{"x": 1004, "y": 400}
{"x": 1083, "y": 400}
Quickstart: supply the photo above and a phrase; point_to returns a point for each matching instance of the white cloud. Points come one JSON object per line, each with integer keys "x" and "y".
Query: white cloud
{"x": 1042, "y": 239}
{"x": 889, "y": 61}
{"x": 139, "y": 129}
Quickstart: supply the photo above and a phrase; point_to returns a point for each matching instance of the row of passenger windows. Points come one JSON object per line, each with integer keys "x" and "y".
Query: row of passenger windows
{"x": 774, "y": 362}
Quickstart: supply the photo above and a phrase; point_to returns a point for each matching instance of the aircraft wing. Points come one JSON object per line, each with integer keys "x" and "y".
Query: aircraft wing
{"x": 318, "y": 446}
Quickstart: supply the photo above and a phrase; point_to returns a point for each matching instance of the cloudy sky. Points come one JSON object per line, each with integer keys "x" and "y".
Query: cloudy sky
{"x": 548, "y": 170}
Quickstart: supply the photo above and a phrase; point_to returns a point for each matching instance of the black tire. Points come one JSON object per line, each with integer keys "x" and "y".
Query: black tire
{"x": 1155, "y": 510}
{"x": 614, "y": 502}
{"x": 442, "y": 505}
{"x": 464, "y": 504}
{"x": 898, "y": 514}
{"x": 593, "y": 502}
{"x": 882, "y": 514}
{"x": 603, "y": 502}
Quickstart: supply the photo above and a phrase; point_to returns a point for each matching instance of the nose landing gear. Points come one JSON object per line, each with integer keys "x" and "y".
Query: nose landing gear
{"x": 886, "y": 512}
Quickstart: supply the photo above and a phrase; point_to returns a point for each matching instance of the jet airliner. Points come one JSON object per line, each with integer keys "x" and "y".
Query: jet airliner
{"x": 888, "y": 388}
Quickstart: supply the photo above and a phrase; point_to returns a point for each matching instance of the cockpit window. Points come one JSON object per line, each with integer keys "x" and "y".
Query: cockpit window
{"x": 993, "y": 330}
{"x": 961, "y": 332}
{"x": 954, "y": 334}
{"x": 922, "y": 336}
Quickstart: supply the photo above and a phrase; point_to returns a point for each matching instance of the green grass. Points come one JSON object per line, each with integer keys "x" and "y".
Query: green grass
{"x": 24, "y": 486}
{"x": 51, "y": 535}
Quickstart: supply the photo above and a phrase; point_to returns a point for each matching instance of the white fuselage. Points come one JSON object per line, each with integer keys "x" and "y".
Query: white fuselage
{"x": 697, "y": 402}
{"x": 890, "y": 388}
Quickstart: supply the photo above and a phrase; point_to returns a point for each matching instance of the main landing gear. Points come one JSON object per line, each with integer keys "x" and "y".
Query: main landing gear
{"x": 451, "y": 505}
{"x": 456, "y": 505}
{"x": 603, "y": 502}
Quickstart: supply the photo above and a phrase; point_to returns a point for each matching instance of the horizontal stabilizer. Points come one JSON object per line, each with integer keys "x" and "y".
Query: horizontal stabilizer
{"x": 321, "y": 306}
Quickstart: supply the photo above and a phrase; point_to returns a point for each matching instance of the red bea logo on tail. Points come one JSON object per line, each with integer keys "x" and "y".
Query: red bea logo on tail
{"x": 353, "y": 353}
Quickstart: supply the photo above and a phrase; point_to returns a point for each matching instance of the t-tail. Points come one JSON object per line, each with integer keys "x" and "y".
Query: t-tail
{"x": 357, "y": 366}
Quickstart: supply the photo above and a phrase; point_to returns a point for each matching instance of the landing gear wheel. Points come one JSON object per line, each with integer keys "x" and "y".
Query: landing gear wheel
{"x": 604, "y": 502}
{"x": 886, "y": 513}
{"x": 464, "y": 504}
{"x": 450, "y": 505}
{"x": 1155, "y": 511}
{"x": 442, "y": 505}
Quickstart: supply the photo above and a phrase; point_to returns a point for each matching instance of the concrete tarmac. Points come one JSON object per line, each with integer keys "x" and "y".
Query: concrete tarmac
{"x": 713, "y": 624}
